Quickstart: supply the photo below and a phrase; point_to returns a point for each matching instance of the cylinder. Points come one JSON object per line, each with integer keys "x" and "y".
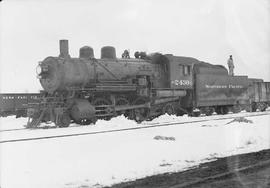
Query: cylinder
{"x": 108, "y": 52}
{"x": 63, "y": 48}
{"x": 82, "y": 109}
{"x": 86, "y": 52}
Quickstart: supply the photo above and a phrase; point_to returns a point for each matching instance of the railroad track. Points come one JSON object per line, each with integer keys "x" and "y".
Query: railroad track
{"x": 146, "y": 126}
{"x": 213, "y": 117}
{"x": 38, "y": 128}
{"x": 221, "y": 117}
{"x": 9, "y": 130}
{"x": 243, "y": 170}
{"x": 231, "y": 173}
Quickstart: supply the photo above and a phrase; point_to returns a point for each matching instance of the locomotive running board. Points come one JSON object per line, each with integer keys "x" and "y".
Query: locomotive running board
{"x": 108, "y": 87}
{"x": 125, "y": 107}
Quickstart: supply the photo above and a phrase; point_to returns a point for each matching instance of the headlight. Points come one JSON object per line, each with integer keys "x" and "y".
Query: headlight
{"x": 39, "y": 70}
{"x": 42, "y": 71}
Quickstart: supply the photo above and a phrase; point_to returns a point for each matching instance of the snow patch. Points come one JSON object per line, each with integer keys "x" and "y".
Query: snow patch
{"x": 104, "y": 159}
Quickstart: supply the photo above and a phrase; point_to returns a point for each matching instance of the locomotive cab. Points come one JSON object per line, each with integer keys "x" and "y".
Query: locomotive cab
{"x": 181, "y": 72}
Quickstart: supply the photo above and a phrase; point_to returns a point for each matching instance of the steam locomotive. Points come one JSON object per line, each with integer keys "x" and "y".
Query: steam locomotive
{"x": 85, "y": 89}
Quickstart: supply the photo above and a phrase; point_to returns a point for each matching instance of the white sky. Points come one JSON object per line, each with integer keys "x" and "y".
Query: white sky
{"x": 209, "y": 30}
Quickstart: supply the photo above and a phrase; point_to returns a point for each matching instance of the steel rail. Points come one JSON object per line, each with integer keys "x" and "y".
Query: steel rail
{"x": 8, "y": 130}
{"x": 123, "y": 129}
{"x": 222, "y": 175}
{"x": 147, "y": 124}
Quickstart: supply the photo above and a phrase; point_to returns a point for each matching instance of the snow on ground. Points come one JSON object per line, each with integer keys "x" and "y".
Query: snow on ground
{"x": 105, "y": 159}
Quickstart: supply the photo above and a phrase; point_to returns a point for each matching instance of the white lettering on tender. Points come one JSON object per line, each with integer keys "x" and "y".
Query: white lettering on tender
{"x": 230, "y": 86}
{"x": 235, "y": 86}
{"x": 215, "y": 86}
{"x": 182, "y": 82}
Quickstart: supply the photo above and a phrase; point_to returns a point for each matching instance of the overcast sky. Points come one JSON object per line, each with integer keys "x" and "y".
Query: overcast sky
{"x": 209, "y": 30}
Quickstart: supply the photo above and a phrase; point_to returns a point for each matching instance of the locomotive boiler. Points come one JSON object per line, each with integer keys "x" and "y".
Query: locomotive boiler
{"x": 64, "y": 73}
{"x": 84, "y": 89}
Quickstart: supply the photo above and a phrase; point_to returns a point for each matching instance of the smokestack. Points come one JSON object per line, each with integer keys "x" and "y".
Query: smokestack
{"x": 64, "y": 49}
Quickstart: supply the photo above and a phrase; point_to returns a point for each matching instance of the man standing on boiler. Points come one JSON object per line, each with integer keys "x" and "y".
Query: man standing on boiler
{"x": 230, "y": 65}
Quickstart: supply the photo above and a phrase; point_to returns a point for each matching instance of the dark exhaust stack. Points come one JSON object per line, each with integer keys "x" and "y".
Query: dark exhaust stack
{"x": 64, "y": 49}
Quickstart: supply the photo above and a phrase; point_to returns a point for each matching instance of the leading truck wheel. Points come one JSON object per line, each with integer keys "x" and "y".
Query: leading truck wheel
{"x": 140, "y": 114}
{"x": 63, "y": 121}
{"x": 87, "y": 121}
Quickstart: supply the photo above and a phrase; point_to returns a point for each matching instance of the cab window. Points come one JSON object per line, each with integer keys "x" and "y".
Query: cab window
{"x": 181, "y": 71}
{"x": 186, "y": 70}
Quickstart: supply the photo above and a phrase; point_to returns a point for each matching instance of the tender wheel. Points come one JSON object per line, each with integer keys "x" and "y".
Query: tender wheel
{"x": 196, "y": 114}
{"x": 236, "y": 109}
{"x": 169, "y": 109}
{"x": 181, "y": 111}
{"x": 222, "y": 110}
{"x": 262, "y": 107}
{"x": 225, "y": 110}
{"x": 218, "y": 110}
{"x": 253, "y": 107}
{"x": 208, "y": 111}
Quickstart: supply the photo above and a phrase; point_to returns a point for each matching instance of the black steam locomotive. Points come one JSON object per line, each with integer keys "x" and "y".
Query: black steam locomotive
{"x": 85, "y": 89}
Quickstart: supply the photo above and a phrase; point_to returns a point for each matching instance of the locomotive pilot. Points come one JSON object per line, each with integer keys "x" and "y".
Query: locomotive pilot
{"x": 230, "y": 65}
